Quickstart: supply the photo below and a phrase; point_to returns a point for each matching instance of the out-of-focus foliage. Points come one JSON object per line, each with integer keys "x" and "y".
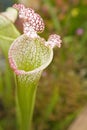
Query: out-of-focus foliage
{"x": 62, "y": 91}
{"x": 63, "y": 88}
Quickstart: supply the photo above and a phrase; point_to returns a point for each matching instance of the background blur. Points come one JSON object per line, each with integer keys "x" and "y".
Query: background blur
{"x": 62, "y": 91}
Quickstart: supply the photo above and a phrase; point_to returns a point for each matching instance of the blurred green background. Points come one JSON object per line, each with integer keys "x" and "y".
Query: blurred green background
{"x": 62, "y": 91}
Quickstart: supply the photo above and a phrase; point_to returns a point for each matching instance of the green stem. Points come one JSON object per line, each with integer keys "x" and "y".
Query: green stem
{"x": 25, "y": 97}
{"x": 1, "y": 85}
{"x": 8, "y": 88}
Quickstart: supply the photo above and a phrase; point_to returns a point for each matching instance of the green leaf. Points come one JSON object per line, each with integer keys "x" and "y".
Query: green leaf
{"x": 8, "y": 33}
{"x": 28, "y": 57}
{"x": 7, "y": 28}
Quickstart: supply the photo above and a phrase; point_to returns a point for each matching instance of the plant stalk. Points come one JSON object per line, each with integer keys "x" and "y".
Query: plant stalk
{"x": 25, "y": 97}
